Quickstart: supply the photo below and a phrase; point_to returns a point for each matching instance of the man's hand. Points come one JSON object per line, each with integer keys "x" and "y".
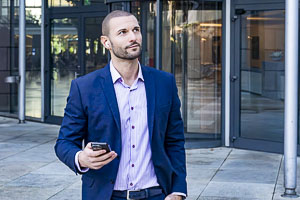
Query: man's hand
{"x": 95, "y": 159}
{"x": 173, "y": 197}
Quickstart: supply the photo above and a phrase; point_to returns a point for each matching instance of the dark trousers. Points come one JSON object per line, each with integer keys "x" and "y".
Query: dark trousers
{"x": 157, "y": 197}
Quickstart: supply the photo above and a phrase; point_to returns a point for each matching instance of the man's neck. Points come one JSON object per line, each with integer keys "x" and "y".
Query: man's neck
{"x": 128, "y": 69}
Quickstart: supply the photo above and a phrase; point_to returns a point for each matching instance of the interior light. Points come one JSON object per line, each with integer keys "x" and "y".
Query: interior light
{"x": 264, "y": 18}
{"x": 210, "y": 25}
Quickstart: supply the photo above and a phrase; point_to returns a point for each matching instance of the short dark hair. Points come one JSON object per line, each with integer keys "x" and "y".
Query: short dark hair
{"x": 113, "y": 14}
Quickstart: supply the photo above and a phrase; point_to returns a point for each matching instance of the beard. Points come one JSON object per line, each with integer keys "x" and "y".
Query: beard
{"x": 124, "y": 54}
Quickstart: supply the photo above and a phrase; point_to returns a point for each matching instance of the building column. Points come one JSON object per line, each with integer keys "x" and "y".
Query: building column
{"x": 22, "y": 61}
{"x": 291, "y": 98}
{"x": 43, "y": 61}
{"x": 227, "y": 74}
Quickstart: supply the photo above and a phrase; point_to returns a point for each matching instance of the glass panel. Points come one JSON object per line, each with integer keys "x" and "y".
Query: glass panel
{"x": 95, "y": 53}
{"x": 33, "y": 3}
{"x": 5, "y": 11}
{"x": 8, "y": 56}
{"x": 33, "y": 60}
{"x": 4, "y": 55}
{"x": 144, "y": 11}
{"x": 192, "y": 42}
{"x": 262, "y": 75}
{"x": 64, "y": 61}
{"x": 63, "y": 3}
{"x": 93, "y": 2}
{"x": 116, "y": 6}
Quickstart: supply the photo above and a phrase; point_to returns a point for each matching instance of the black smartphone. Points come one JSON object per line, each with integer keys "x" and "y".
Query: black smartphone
{"x": 96, "y": 146}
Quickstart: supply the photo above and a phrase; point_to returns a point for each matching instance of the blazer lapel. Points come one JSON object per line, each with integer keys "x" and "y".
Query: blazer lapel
{"x": 110, "y": 95}
{"x": 150, "y": 95}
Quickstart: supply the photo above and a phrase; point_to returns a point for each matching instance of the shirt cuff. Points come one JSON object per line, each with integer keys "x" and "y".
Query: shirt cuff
{"x": 81, "y": 170}
{"x": 179, "y": 194}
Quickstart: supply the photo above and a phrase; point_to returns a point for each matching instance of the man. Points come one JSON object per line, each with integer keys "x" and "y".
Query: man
{"x": 136, "y": 110}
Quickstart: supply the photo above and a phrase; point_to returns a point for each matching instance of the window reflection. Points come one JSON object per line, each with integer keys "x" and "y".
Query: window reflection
{"x": 191, "y": 47}
{"x": 33, "y": 58}
{"x": 95, "y": 52}
{"x": 33, "y": 3}
{"x": 4, "y": 11}
{"x": 64, "y": 61}
{"x": 144, "y": 11}
{"x": 262, "y": 75}
{"x": 116, "y": 6}
{"x": 8, "y": 92}
{"x": 92, "y": 2}
{"x": 63, "y": 3}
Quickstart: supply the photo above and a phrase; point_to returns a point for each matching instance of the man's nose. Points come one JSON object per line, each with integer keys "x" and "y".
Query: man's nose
{"x": 132, "y": 36}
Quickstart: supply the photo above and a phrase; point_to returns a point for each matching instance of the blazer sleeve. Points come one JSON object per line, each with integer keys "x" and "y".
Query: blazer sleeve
{"x": 174, "y": 143}
{"x": 73, "y": 129}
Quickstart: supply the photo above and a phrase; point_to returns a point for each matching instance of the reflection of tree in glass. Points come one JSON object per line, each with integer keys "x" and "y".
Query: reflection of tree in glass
{"x": 73, "y": 2}
{"x": 64, "y": 51}
{"x": 33, "y": 16}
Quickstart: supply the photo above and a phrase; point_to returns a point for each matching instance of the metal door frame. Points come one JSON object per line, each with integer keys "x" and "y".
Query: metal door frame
{"x": 235, "y": 139}
{"x": 81, "y": 13}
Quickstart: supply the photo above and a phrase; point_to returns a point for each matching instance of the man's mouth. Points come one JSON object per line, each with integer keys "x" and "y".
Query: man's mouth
{"x": 133, "y": 46}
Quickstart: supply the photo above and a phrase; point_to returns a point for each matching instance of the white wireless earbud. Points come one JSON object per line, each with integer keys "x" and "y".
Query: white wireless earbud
{"x": 106, "y": 44}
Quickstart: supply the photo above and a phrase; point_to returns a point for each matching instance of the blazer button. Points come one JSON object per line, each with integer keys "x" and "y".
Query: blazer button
{"x": 112, "y": 181}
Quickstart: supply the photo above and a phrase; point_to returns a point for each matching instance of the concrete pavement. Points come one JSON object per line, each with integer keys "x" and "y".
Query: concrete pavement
{"x": 30, "y": 170}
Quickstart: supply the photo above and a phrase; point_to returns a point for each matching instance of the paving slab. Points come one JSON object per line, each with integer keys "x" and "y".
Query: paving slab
{"x": 32, "y": 156}
{"x": 15, "y": 146}
{"x": 200, "y": 174}
{"x": 246, "y": 176}
{"x": 239, "y": 190}
{"x": 204, "y": 163}
{"x": 56, "y": 167}
{"x": 33, "y": 138}
{"x": 220, "y": 152}
{"x": 195, "y": 188}
{"x": 72, "y": 192}
{"x": 67, "y": 194}
{"x": 250, "y": 164}
{"x": 15, "y": 169}
{"x": 44, "y": 180}
{"x": 254, "y": 155}
{"x": 24, "y": 193}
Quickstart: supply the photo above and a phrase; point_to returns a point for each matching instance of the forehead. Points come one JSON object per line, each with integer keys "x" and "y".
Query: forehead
{"x": 125, "y": 22}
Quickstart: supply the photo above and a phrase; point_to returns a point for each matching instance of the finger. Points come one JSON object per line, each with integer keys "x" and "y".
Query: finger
{"x": 106, "y": 161}
{"x": 95, "y": 166}
{"x": 98, "y": 165}
{"x": 97, "y": 153}
{"x": 101, "y": 164}
{"x": 103, "y": 157}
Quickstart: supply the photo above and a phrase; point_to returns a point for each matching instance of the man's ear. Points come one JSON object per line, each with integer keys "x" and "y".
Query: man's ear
{"x": 105, "y": 42}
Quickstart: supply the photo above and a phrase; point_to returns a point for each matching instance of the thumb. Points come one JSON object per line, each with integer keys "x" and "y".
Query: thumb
{"x": 89, "y": 145}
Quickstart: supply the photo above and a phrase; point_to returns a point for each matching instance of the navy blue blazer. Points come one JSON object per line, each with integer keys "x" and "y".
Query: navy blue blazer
{"x": 92, "y": 114}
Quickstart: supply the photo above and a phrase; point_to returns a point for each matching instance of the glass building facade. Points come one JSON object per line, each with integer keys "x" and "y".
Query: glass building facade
{"x": 190, "y": 39}
{"x": 9, "y": 42}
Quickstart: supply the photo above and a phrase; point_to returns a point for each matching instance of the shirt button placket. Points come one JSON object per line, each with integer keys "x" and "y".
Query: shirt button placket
{"x": 131, "y": 135}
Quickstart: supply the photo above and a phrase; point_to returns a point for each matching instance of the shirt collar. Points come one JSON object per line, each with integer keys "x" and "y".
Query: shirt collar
{"x": 116, "y": 75}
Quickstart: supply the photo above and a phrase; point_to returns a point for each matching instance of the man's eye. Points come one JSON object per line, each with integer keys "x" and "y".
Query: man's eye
{"x": 136, "y": 30}
{"x": 122, "y": 32}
